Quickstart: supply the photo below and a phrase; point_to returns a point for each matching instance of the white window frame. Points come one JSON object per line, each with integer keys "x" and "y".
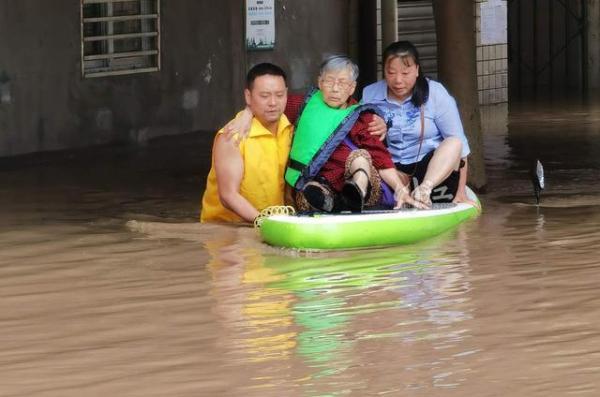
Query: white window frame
{"x": 121, "y": 65}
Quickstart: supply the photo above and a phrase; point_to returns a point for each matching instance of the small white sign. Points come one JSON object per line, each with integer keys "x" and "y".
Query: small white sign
{"x": 260, "y": 24}
{"x": 493, "y": 22}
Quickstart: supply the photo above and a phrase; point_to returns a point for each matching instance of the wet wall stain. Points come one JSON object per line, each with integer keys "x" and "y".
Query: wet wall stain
{"x": 207, "y": 73}
{"x": 5, "y": 91}
{"x": 41, "y": 133}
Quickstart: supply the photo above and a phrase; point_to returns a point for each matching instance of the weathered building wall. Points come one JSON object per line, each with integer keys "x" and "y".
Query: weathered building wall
{"x": 45, "y": 104}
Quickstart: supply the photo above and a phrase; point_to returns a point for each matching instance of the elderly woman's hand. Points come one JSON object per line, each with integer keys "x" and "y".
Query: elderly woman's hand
{"x": 378, "y": 127}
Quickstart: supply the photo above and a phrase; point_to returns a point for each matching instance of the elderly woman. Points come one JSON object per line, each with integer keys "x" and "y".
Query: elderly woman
{"x": 354, "y": 160}
{"x": 426, "y": 137}
{"x": 335, "y": 163}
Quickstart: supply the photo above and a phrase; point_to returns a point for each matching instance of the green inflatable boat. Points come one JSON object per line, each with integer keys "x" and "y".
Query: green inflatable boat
{"x": 366, "y": 230}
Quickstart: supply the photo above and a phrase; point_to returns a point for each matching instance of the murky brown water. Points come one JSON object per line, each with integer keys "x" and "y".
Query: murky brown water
{"x": 107, "y": 287}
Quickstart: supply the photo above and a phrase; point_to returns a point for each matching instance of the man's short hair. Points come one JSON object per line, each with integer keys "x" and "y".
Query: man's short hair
{"x": 263, "y": 69}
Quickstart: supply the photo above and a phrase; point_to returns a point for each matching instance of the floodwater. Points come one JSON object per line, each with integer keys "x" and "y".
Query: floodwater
{"x": 108, "y": 287}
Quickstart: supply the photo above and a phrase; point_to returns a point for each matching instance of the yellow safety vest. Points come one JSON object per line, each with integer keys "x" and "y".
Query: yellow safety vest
{"x": 265, "y": 158}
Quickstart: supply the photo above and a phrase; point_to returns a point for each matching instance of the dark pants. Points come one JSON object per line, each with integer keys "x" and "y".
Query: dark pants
{"x": 442, "y": 193}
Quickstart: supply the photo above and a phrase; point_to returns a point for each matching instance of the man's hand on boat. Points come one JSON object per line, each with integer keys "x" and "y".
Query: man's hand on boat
{"x": 378, "y": 127}
{"x": 239, "y": 128}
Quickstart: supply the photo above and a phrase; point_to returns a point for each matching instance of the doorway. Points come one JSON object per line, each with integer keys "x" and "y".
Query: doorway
{"x": 547, "y": 42}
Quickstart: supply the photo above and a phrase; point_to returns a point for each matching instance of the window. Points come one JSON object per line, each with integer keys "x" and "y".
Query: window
{"x": 119, "y": 37}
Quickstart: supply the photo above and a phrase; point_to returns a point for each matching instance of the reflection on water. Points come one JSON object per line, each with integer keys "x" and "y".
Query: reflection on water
{"x": 108, "y": 286}
{"x": 334, "y": 318}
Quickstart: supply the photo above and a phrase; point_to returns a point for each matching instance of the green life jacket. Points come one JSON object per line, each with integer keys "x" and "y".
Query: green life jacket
{"x": 316, "y": 124}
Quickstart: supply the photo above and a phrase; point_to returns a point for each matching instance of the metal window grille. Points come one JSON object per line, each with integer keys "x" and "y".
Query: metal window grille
{"x": 119, "y": 37}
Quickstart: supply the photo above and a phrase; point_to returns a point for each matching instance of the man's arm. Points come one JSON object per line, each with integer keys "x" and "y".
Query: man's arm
{"x": 229, "y": 169}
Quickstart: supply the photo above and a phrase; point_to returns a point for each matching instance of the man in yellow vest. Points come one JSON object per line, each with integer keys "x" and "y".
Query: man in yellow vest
{"x": 247, "y": 177}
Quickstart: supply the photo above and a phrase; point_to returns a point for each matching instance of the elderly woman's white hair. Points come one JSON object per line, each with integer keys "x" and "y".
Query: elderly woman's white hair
{"x": 335, "y": 63}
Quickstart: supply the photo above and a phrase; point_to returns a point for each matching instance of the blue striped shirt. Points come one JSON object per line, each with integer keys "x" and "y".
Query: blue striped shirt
{"x": 442, "y": 120}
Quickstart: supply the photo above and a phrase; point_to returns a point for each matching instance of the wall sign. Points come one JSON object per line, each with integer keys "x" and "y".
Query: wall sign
{"x": 260, "y": 24}
{"x": 493, "y": 22}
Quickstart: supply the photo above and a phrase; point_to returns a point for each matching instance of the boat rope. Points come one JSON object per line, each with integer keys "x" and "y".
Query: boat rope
{"x": 273, "y": 210}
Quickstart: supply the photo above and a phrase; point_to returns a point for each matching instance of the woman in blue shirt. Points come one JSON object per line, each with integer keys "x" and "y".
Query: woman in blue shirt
{"x": 425, "y": 136}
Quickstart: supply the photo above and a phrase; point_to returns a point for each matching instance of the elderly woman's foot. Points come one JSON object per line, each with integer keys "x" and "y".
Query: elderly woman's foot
{"x": 356, "y": 190}
{"x": 318, "y": 196}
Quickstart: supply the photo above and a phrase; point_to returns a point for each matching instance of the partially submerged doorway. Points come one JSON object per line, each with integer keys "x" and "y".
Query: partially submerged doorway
{"x": 547, "y": 46}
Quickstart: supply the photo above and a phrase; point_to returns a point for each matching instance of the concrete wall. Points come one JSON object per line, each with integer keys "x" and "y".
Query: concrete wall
{"x": 46, "y": 105}
{"x": 306, "y": 32}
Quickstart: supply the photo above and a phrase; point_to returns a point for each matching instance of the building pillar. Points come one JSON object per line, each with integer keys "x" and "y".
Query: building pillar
{"x": 389, "y": 22}
{"x": 593, "y": 50}
{"x": 457, "y": 70}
